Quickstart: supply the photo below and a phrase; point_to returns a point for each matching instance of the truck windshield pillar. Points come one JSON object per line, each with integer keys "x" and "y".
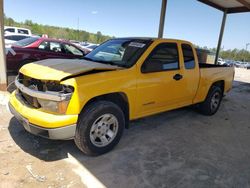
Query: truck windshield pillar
{"x": 221, "y": 36}
{"x": 162, "y": 18}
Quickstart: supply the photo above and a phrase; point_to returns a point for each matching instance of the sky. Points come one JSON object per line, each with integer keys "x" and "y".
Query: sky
{"x": 185, "y": 19}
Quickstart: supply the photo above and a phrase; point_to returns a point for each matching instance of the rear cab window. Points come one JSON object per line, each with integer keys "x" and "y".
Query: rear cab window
{"x": 188, "y": 56}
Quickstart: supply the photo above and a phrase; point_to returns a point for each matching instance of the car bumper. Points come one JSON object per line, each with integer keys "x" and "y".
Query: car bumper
{"x": 59, "y": 127}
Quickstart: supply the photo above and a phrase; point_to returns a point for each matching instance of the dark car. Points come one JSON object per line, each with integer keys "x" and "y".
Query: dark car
{"x": 230, "y": 63}
{"x": 37, "y": 48}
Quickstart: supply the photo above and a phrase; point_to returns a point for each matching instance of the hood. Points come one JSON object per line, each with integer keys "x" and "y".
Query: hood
{"x": 57, "y": 69}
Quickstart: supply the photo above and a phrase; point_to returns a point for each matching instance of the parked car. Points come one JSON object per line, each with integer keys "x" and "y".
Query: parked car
{"x": 229, "y": 63}
{"x": 221, "y": 61}
{"x": 89, "y": 47}
{"x": 245, "y": 65}
{"x": 12, "y": 38}
{"x": 239, "y": 64}
{"x": 37, "y": 48}
{"x": 16, "y": 30}
{"x": 92, "y": 100}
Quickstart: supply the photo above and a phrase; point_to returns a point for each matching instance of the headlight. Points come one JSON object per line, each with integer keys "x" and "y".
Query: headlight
{"x": 54, "y": 106}
{"x": 57, "y": 106}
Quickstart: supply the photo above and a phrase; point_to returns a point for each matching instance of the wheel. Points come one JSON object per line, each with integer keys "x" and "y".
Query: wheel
{"x": 212, "y": 101}
{"x": 99, "y": 128}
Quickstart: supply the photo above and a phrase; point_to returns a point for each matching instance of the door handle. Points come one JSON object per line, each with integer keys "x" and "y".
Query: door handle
{"x": 178, "y": 77}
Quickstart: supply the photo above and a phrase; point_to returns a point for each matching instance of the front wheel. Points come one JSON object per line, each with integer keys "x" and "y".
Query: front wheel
{"x": 212, "y": 102}
{"x": 99, "y": 128}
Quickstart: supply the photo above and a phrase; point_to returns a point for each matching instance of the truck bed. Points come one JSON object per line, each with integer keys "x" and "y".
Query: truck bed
{"x": 209, "y": 74}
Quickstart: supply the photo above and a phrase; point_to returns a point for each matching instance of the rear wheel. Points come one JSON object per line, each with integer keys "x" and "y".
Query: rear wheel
{"x": 212, "y": 102}
{"x": 99, "y": 128}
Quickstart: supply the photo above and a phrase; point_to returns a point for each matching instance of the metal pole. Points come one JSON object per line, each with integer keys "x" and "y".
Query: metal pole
{"x": 162, "y": 18}
{"x": 247, "y": 44}
{"x": 221, "y": 36}
{"x": 3, "y": 76}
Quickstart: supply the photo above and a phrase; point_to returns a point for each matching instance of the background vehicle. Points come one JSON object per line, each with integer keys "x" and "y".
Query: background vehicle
{"x": 230, "y": 63}
{"x": 247, "y": 65}
{"x": 221, "y": 61}
{"x": 16, "y": 30}
{"x": 12, "y": 38}
{"x": 36, "y": 48}
{"x": 239, "y": 64}
{"x": 92, "y": 100}
{"x": 89, "y": 46}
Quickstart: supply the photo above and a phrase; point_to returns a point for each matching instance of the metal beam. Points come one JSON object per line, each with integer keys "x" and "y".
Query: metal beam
{"x": 207, "y": 2}
{"x": 244, "y": 8}
{"x": 237, "y": 10}
{"x": 3, "y": 76}
{"x": 162, "y": 18}
{"x": 221, "y": 36}
{"x": 245, "y": 3}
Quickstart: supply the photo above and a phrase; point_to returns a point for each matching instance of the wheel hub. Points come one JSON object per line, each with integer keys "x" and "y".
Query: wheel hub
{"x": 104, "y": 130}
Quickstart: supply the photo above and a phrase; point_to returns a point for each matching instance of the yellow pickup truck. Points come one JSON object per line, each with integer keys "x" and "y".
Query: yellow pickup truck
{"x": 92, "y": 100}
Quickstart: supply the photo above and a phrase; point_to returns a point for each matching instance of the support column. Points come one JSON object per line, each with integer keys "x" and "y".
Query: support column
{"x": 3, "y": 76}
{"x": 221, "y": 36}
{"x": 162, "y": 18}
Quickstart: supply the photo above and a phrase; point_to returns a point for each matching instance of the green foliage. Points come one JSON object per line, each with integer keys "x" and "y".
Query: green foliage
{"x": 58, "y": 32}
{"x": 235, "y": 54}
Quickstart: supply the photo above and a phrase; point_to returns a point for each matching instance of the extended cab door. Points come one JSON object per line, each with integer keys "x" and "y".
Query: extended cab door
{"x": 162, "y": 81}
{"x": 191, "y": 71}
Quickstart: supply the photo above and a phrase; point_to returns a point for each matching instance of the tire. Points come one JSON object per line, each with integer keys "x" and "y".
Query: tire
{"x": 212, "y": 102}
{"x": 97, "y": 122}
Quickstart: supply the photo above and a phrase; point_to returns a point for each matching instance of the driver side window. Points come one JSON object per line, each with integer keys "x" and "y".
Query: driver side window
{"x": 163, "y": 58}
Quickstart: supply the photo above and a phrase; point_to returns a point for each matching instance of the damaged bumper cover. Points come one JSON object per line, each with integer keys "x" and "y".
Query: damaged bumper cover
{"x": 60, "y": 133}
{"x": 48, "y": 95}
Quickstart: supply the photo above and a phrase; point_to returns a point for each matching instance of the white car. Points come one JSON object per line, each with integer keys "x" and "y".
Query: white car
{"x": 89, "y": 47}
{"x": 16, "y": 30}
{"x": 221, "y": 61}
{"x": 12, "y": 38}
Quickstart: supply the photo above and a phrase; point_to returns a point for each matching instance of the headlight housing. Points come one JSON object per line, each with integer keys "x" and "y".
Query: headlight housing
{"x": 47, "y": 95}
{"x": 61, "y": 106}
{"x": 54, "y": 106}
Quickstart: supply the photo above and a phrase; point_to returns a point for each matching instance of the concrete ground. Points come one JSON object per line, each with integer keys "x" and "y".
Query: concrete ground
{"x": 180, "y": 148}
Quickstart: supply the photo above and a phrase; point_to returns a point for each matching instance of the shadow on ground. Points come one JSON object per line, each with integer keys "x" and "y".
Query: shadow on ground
{"x": 174, "y": 149}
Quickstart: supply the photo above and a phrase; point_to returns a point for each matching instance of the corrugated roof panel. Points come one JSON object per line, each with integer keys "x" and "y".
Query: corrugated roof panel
{"x": 231, "y": 6}
{"x": 227, "y": 3}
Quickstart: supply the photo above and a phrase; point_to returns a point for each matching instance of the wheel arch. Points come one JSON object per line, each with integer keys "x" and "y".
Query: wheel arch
{"x": 220, "y": 84}
{"x": 119, "y": 98}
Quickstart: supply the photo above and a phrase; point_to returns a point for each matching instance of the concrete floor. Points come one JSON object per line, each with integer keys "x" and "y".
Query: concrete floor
{"x": 180, "y": 148}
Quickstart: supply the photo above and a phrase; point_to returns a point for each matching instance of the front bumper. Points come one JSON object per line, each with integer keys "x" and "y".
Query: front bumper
{"x": 35, "y": 121}
{"x": 61, "y": 133}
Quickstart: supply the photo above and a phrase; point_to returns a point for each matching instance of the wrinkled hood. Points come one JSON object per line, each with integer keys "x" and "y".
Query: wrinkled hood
{"x": 57, "y": 69}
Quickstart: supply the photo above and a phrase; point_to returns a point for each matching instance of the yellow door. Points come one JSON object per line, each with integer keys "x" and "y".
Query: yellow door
{"x": 160, "y": 81}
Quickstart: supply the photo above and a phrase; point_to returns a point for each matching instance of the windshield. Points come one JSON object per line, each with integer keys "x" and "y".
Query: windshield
{"x": 26, "y": 42}
{"x": 120, "y": 52}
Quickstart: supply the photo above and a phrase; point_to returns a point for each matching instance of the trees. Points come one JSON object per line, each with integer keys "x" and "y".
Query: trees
{"x": 58, "y": 32}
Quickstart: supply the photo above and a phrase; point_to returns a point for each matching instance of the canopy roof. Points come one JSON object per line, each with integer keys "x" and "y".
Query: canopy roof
{"x": 231, "y": 6}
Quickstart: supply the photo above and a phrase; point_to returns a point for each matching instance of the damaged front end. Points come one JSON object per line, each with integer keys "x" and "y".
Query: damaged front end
{"x": 50, "y": 96}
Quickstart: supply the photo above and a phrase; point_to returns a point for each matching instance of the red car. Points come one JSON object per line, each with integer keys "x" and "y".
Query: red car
{"x": 36, "y": 48}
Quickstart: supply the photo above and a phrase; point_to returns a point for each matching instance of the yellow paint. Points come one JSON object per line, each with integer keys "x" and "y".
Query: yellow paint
{"x": 147, "y": 93}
